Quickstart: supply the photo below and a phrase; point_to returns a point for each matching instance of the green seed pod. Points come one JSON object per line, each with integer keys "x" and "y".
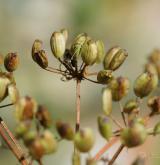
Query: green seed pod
{"x": 84, "y": 140}
{"x": 157, "y": 129}
{"x": 48, "y": 142}
{"x": 104, "y": 76}
{"x": 43, "y": 116}
{"x": 105, "y": 127}
{"x": 58, "y": 44}
{"x": 13, "y": 93}
{"x": 65, "y": 33}
{"x": 29, "y": 137}
{"x": 65, "y": 130}
{"x": 145, "y": 84}
{"x": 139, "y": 161}
{"x": 134, "y": 136}
{"x": 76, "y": 159}
{"x": 89, "y": 52}
{"x": 11, "y": 62}
{"x": 26, "y": 109}
{"x": 154, "y": 104}
{"x": 101, "y": 51}
{"x": 130, "y": 106}
{"x": 22, "y": 128}
{"x": 78, "y": 43}
{"x": 114, "y": 58}
{"x": 107, "y": 101}
{"x": 119, "y": 88}
{"x": 132, "y": 119}
{"x": 90, "y": 161}
{"x": 37, "y": 46}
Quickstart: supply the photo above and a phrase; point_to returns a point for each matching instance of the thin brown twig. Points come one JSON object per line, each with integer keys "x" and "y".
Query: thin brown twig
{"x": 116, "y": 122}
{"x": 91, "y": 80}
{"x": 77, "y": 105}
{"x": 92, "y": 74}
{"x": 122, "y": 113}
{"x": 54, "y": 71}
{"x": 105, "y": 148}
{"x": 116, "y": 154}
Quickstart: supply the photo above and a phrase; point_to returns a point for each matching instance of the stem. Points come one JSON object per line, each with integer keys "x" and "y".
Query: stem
{"x": 116, "y": 154}
{"x": 3, "y": 106}
{"x": 116, "y": 122}
{"x": 77, "y": 105}
{"x": 92, "y": 74}
{"x": 54, "y": 71}
{"x": 15, "y": 149}
{"x": 122, "y": 114}
{"x": 40, "y": 162}
{"x": 91, "y": 80}
{"x": 105, "y": 148}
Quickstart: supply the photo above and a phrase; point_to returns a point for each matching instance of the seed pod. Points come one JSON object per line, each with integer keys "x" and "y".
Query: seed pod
{"x": 84, "y": 140}
{"x": 154, "y": 104}
{"x": 11, "y": 62}
{"x": 29, "y": 137}
{"x": 145, "y": 84}
{"x": 133, "y": 119}
{"x": 26, "y": 108}
{"x": 151, "y": 68}
{"x": 131, "y": 106}
{"x": 65, "y": 33}
{"x": 90, "y": 161}
{"x": 157, "y": 129}
{"x": 104, "y": 76}
{"x": 5, "y": 81}
{"x": 139, "y": 161}
{"x": 101, "y": 51}
{"x": 114, "y": 58}
{"x": 65, "y": 130}
{"x": 154, "y": 56}
{"x": 105, "y": 127}
{"x": 48, "y": 142}
{"x": 13, "y": 93}
{"x": 107, "y": 101}
{"x": 22, "y": 128}
{"x": 37, "y": 46}
{"x": 89, "y": 52}
{"x": 134, "y": 136}
{"x": 76, "y": 160}
{"x": 78, "y": 43}
{"x": 41, "y": 59}
{"x": 36, "y": 149}
{"x": 43, "y": 116}
{"x": 119, "y": 88}
{"x": 58, "y": 44}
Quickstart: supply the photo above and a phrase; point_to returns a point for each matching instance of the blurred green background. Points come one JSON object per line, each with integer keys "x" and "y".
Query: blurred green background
{"x": 132, "y": 24}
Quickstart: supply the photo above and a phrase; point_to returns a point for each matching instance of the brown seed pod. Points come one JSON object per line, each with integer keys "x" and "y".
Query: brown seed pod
{"x": 154, "y": 104}
{"x": 11, "y": 62}
{"x": 43, "y": 116}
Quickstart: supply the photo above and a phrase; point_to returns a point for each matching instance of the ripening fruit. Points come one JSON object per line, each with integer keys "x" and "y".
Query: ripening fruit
{"x": 58, "y": 44}
{"x": 105, "y": 127}
{"x": 78, "y": 43}
{"x": 154, "y": 104}
{"x": 154, "y": 56}
{"x": 104, "y": 76}
{"x": 156, "y": 130}
{"x": 84, "y": 140}
{"x": 26, "y": 108}
{"x": 11, "y": 62}
{"x": 43, "y": 116}
{"x": 145, "y": 84}
{"x": 65, "y": 33}
{"x": 150, "y": 68}
{"x": 101, "y": 51}
{"x": 65, "y": 130}
{"x": 119, "y": 88}
{"x": 114, "y": 58}
{"x": 29, "y": 137}
{"x": 37, "y": 46}
{"x": 134, "y": 136}
{"x": 13, "y": 93}
{"x": 107, "y": 101}
{"x": 48, "y": 142}
{"x": 130, "y": 106}
{"x": 89, "y": 52}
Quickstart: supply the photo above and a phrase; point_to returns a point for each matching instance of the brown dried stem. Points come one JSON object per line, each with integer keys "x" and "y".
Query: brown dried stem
{"x": 3, "y": 106}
